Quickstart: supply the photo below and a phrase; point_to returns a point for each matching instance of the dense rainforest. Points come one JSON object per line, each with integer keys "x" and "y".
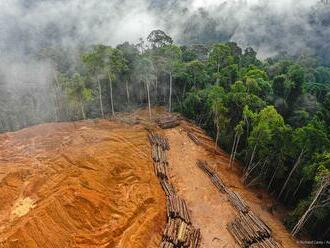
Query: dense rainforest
{"x": 272, "y": 115}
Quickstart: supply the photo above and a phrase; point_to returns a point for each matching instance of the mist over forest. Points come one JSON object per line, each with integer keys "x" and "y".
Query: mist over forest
{"x": 254, "y": 74}
{"x": 30, "y": 27}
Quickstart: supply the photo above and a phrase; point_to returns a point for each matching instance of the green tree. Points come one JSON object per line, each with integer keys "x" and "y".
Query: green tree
{"x": 220, "y": 57}
{"x": 130, "y": 54}
{"x": 266, "y": 125}
{"x": 78, "y": 93}
{"x": 95, "y": 66}
{"x": 145, "y": 72}
{"x": 159, "y": 38}
{"x": 320, "y": 198}
{"x": 113, "y": 63}
{"x": 307, "y": 141}
{"x": 172, "y": 61}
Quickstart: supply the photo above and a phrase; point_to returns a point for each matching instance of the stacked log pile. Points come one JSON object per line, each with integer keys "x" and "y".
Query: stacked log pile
{"x": 179, "y": 231}
{"x": 267, "y": 243}
{"x": 181, "y": 234}
{"x": 247, "y": 229}
{"x": 237, "y": 202}
{"x": 218, "y": 183}
{"x": 161, "y": 170}
{"x": 167, "y": 187}
{"x": 168, "y": 122}
{"x": 177, "y": 208}
{"x": 194, "y": 138}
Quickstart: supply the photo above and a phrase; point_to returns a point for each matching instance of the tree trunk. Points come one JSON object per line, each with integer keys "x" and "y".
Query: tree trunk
{"x": 100, "y": 97}
{"x": 298, "y": 187}
{"x": 235, "y": 151}
{"x": 272, "y": 179}
{"x": 57, "y": 102}
{"x": 253, "y": 153}
{"x": 82, "y": 110}
{"x": 217, "y": 139}
{"x": 184, "y": 89}
{"x": 127, "y": 92}
{"x": 305, "y": 216}
{"x": 156, "y": 89}
{"x": 232, "y": 150}
{"x": 111, "y": 95}
{"x": 249, "y": 170}
{"x": 291, "y": 173}
{"x": 149, "y": 105}
{"x": 170, "y": 97}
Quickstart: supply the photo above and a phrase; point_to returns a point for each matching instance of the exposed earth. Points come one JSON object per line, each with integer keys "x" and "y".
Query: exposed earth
{"x": 92, "y": 184}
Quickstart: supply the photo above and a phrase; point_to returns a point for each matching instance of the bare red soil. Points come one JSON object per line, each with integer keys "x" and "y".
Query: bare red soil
{"x": 91, "y": 184}
{"x": 85, "y": 184}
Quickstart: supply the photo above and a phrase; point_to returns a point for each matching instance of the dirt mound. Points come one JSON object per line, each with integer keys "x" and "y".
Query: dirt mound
{"x": 84, "y": 184}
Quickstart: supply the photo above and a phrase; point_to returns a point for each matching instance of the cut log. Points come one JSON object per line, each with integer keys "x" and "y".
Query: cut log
{"x": 236, "y": 201}
{"x": 194, "y": 138}
{"x": 168, "y": 122}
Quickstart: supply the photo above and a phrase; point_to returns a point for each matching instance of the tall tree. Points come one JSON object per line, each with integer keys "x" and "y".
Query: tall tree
{"x": 159, "y": 38}
{"x": 305, "y": 146}
{"x": 320, "y": 199}
{"x": 130, "y": 53}
{"x": 94, "y": 61}
{"x": 145, "y": 72}
{"x": 114, "y": 63}
{"x": 78, "y": 93}
{"x": 172, "y": 57}
{"x": 220, "y": 56}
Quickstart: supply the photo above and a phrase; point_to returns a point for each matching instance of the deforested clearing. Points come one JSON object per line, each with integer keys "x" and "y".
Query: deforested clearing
{"x": 92, "y": 184}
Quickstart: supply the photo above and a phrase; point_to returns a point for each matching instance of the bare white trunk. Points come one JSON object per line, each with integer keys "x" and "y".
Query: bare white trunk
{"x": 306, "y": 215}
{"x": 82, "y": 110}
{"x": 111, "y": 95}
{"x": 127, "y": 92}
{"x": 156, "y": 89}
{"x": 298, "y": 187}
{"x": 149, "y": 105}
{"x": 170, "y": 97}
{"x": 232, "y": 150}
{"x": 291, "y": 173}
{"x": 235, "y": 151}
{"x": 217, "y": 139}
{"x": 253, "y": 154}
{"x": 250, "y": 169}
{"x": 100, "y": 97}
{"x": 272, "y": 179}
